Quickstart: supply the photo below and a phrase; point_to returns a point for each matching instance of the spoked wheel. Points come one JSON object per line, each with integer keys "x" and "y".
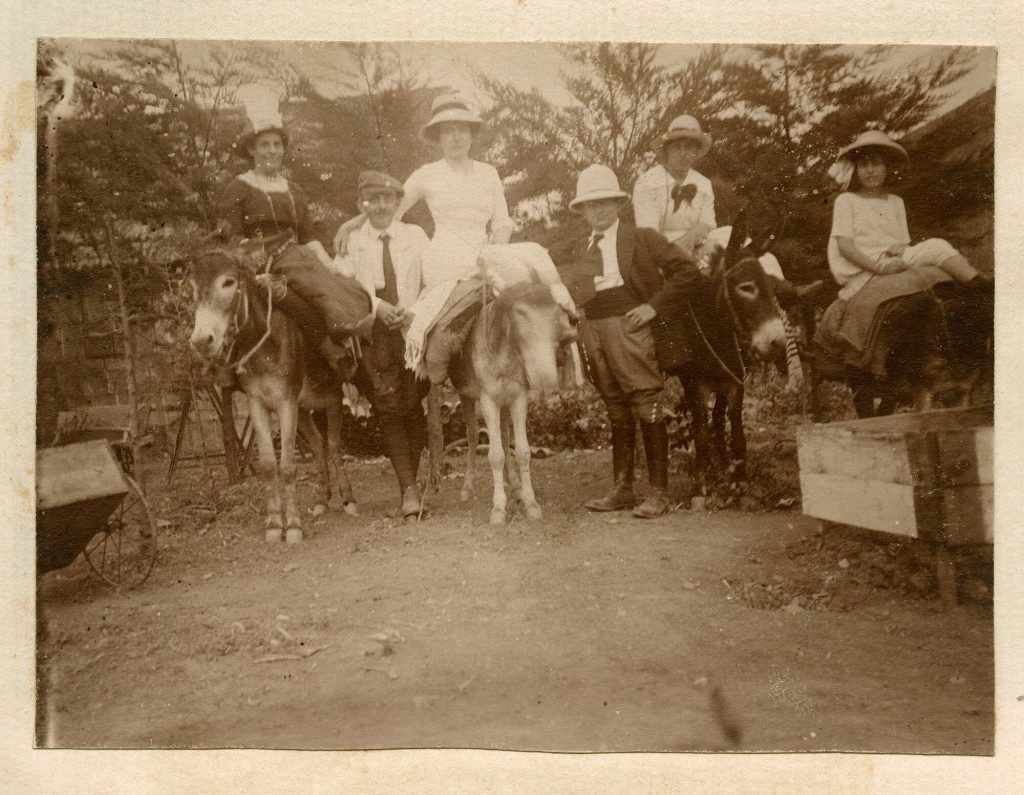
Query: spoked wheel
{"x": 123, "y": 552}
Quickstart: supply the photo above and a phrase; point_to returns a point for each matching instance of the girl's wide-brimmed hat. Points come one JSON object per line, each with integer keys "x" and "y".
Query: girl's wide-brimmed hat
{"x": 874, "y": 139}
{"x": 843, "y": 169}
{"x": 597, "y": 182}
{"x": 448, "y": 107}
{"x": 686, "y": 128}
{"x": 262, "y": 114}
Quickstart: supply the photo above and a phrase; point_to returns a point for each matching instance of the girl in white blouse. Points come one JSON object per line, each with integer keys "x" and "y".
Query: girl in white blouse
{"x": 870, "y": 237}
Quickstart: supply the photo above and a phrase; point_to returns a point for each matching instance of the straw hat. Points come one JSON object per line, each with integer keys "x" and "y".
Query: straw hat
{"x": 688, "y": 128}
{"x": 597, "y": 182}
{"x": 448, "y": 107}
{"x": 874, "y": 139}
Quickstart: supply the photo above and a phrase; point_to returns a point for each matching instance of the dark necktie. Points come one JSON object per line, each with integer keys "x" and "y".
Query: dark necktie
{"x": 390, "y": 280}
{"x": 594, "y": 252}
{"x": 593, "y": 267}
{"x": 680, "y": 192}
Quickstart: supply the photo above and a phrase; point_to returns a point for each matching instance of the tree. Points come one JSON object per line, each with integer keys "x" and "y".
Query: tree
{"x": 622, "y": 100}
{"x": 777, "y": 114}
{"x": 131, "y": 177}
{"x": 800, "y": 104}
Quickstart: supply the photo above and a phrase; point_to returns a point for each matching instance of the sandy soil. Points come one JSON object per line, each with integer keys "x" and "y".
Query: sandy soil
{"x": 726, "y": 630}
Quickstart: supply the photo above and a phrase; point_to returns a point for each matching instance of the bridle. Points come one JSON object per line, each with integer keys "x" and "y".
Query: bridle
{"x": 722, "y": 292}
{"x": 240, "y": 314}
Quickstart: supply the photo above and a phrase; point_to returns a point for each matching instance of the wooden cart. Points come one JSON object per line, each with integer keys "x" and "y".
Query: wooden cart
{"x": 86, "y": 503}
{"x": 925, "y": 476}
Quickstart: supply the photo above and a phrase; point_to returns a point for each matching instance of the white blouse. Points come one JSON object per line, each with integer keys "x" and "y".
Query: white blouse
{"x": 873, "y": 223}
{"x": 652, "y": 203}
{"x": 463, "y": 205}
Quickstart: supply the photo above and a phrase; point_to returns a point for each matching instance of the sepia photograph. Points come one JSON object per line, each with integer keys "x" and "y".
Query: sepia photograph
{"x": 574, "y": 397}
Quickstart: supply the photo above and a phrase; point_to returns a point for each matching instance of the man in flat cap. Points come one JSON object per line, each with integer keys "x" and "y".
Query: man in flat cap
{"x": 385, "y": 257}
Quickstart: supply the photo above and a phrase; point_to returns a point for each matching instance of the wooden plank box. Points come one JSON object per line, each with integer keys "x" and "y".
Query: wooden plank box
{"x": 925, "y": 475}
{"x": 78, "y": 486}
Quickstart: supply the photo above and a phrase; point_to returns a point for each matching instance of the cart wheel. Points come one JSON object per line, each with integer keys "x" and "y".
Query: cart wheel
{"x": 124, "y": 551}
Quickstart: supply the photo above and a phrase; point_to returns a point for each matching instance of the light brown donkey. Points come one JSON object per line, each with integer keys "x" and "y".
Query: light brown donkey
{"x": 279, "y": 372}
{"x": 513, "y": 349}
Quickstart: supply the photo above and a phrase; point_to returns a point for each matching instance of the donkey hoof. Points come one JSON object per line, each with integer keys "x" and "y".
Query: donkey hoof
{"x": 293, "y": 535}
{"x": 273, "y": 535}
{"x": 533, "y": 512}
{"x": 351, "y": 508}
{"x": 497, "y": 516}
{"x": 319, "y": 509}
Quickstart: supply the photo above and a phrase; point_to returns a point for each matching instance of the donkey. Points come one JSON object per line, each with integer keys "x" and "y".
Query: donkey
{"x": 735, "y": 312}
{"x": 937, "y": 348}
{"x": 236, "y": 326}
{"x": 511, "y": 356}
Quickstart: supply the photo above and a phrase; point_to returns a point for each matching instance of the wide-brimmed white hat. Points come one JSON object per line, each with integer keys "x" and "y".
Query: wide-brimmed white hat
{"x": 687, "y": 127}
{"x": 597, "y": 182}
{"x": 873, "y": 139}
{"x": 448, "y": 107}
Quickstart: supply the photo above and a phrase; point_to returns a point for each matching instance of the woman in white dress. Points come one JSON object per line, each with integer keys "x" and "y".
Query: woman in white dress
{"x": 467, "y": 202}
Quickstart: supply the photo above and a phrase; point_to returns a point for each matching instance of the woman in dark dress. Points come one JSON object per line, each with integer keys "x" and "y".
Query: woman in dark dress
{"x": 262, "y": 204}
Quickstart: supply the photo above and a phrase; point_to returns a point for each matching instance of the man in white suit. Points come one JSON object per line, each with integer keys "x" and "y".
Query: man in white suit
{"x": 678, "y": 201}
{"x": 385, "y": 256}
{"x": 672, "y": 197}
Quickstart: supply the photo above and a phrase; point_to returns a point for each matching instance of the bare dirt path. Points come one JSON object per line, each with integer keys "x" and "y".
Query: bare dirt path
{"x": 696, "y": 631}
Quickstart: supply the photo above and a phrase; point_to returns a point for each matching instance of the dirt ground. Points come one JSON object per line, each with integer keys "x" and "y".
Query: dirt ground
{"x": 723, "y": 630}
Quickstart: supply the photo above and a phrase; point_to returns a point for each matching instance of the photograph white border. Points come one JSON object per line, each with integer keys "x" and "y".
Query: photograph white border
{"x": 995, "y": 23}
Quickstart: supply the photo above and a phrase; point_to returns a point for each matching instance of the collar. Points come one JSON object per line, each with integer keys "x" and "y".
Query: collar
{"x": 276, "y": 184}
{"x": 611, "y": 233}
{"x": 373, "y": 233}
{"x": 672, "y": 181}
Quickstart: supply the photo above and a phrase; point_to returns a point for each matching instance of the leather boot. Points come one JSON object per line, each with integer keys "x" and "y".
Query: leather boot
{"x": 656, "y": 449}
{"x": 621, "y": 497}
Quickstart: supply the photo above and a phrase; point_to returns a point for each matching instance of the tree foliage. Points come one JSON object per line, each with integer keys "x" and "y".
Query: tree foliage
{"x": 777, "y": 113}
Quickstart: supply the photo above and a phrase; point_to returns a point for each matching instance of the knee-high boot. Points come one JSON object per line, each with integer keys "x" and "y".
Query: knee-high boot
{"x": 622, "y": 496}
{"x": 656, "y": 449}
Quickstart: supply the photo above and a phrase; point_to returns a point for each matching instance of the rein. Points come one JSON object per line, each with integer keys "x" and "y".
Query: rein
{"x": 243, "y": 305}
{"x": 736, "y": 325}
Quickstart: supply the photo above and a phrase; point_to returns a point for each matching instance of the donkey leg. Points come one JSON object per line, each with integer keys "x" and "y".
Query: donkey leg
{"x": 513, "y": 483}
{"x": 718, "y": 415}
{"x": 288, "y": 415}
{"x": 737, "y": 437}
{"x": 309, "y": 429}
{"x": 268, "y": 468}
{"x": 472, "y": 438}
{"x": 337, "y": 458}
{"x": 518, "y": 411}
{"x": 496, "y": 458}
{"x": 863, "y": 389}
{"x": 697, "y": 396}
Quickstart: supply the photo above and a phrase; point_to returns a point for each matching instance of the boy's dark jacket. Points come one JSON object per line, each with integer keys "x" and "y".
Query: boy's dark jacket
{"x": 658, "y": 273}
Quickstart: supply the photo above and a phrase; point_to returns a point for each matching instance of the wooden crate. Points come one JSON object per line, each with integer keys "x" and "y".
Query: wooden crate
{"x": 926, "y": 475}
{"x": 78, "y": 486}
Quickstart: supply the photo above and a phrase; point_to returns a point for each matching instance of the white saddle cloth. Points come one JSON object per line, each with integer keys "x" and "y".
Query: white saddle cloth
{"x": 502, "y": 264}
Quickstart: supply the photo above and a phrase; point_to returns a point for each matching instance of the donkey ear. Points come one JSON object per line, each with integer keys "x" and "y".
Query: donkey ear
{"x": 738, "y": 236}
{"x": 771, "y": 238}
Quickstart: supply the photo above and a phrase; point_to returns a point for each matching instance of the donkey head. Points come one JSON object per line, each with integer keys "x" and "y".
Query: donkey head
{"x": 746, "y": 293}
{"x": 219, "y": 293}
{"x": 531, "y": 326}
